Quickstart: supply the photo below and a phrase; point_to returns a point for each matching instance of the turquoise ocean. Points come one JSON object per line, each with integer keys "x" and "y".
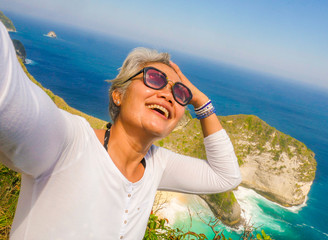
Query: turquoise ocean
{"x": 75, "y": 65}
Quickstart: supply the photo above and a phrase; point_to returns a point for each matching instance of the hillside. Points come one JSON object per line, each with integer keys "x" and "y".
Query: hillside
{"x": 7, "y": 22}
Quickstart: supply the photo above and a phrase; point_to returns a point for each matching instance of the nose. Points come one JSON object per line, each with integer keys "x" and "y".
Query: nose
{"x": 169, "y": 82}
{"x": 166, "y": 92}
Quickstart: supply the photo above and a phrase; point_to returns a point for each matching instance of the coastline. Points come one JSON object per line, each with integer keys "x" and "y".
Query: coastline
{"x": 176, "y": 207}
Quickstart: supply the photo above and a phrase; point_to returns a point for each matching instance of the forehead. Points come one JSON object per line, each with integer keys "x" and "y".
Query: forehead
{"x": 170, "y": 73}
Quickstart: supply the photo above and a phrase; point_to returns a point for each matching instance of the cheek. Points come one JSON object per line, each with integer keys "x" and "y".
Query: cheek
{"x": 180, "y": 112}
{"x": 137, "y": 90}
{"x": 133, "y": 101}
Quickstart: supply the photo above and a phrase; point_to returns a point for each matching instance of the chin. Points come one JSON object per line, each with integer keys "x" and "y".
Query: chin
{"x": 159, "y": 131}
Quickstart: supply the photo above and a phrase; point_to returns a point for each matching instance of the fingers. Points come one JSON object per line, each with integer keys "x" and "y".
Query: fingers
{"x": 198, "y": 98}
{"x": 175, "y": 67}
{"x": 178, "y": 71}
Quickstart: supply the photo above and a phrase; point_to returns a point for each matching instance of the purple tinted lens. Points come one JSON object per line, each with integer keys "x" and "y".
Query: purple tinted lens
{"x": 155, "y": 79}
{"x": 181, "y": 93}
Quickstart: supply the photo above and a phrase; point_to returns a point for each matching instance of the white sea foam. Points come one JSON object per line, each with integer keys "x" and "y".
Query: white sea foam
{"x": 249, "y": 202}
{"x": 296, "y": 209}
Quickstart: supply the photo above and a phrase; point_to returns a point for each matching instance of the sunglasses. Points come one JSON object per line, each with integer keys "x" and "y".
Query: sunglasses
{"x": 156, "y": 79}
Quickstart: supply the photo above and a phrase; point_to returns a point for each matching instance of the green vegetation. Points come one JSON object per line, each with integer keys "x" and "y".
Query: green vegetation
{"x": 158, "y": 229}
{"x": 9, "y": 190}
{"x": 220, "y": 199}
{"x": 7, "y": 22}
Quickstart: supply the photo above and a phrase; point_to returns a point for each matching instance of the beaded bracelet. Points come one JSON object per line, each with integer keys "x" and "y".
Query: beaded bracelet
{"x": 205, "y": 110}
{"x": 203, "y": 106}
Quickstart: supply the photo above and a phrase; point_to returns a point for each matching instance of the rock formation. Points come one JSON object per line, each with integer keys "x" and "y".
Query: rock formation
{"x": 52, "y": 34}
{"x": 20, "y": 49}
{"x": 272, "y": 163}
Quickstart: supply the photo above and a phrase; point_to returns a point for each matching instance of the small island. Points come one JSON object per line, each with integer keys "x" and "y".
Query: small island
{"x": 51, "y": 34}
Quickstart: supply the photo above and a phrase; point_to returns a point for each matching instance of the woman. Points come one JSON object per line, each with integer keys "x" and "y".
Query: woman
{"x": 73, "y": 187}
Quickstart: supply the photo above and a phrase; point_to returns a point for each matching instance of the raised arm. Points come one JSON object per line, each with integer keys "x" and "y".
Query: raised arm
{"x": 209, "y": 124}
{"x": 219, "y": 173}
{"x": 221, "y": 170}
{"x": 33, "y": 131}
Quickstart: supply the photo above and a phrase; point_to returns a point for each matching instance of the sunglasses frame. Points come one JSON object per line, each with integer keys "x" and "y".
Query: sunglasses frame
{"x": 144, "y": 71}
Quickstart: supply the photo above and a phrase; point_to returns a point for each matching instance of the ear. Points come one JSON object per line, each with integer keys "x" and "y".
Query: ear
{"x": 117, "y": 97}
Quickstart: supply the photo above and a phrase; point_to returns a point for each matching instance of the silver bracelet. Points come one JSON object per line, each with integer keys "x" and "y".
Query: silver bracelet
{"x": 205, "y": 110}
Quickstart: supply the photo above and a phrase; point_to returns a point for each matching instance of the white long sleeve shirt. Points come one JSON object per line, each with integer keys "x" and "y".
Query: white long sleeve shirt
{"x": 71, "y": 189}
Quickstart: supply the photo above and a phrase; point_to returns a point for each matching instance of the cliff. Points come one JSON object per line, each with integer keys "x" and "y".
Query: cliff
{"x": 272, "y": 163}
{"x": 7, "y": 22}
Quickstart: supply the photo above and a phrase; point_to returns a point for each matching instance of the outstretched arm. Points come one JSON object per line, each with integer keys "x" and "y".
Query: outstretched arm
{"x": 32, "y": 129}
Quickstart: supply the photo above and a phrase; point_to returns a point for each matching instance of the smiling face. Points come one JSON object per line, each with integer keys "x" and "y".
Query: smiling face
{"x": 152, "y": 112}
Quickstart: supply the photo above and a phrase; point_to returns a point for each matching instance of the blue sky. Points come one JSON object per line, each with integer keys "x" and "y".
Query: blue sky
{"x": 281, "y": 37}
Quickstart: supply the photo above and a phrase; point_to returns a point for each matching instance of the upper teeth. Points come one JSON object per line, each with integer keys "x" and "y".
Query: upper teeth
{"x": 163, "y": 109}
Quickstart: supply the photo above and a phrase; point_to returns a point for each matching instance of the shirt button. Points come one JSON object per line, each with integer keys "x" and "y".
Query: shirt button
{"x": 126, "y": 211}
{"x": 129, "y": 195}
{"x": 125, "y": 222}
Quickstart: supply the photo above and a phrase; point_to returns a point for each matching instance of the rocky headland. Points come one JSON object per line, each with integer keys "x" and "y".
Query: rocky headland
{"x": 275, "y": 165}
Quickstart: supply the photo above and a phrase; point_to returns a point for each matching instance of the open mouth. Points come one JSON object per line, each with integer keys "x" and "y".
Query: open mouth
{"x": 160, "y": 109}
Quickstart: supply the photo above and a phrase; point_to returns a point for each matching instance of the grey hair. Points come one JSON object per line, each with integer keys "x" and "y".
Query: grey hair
{"x": 137, "y": 59}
